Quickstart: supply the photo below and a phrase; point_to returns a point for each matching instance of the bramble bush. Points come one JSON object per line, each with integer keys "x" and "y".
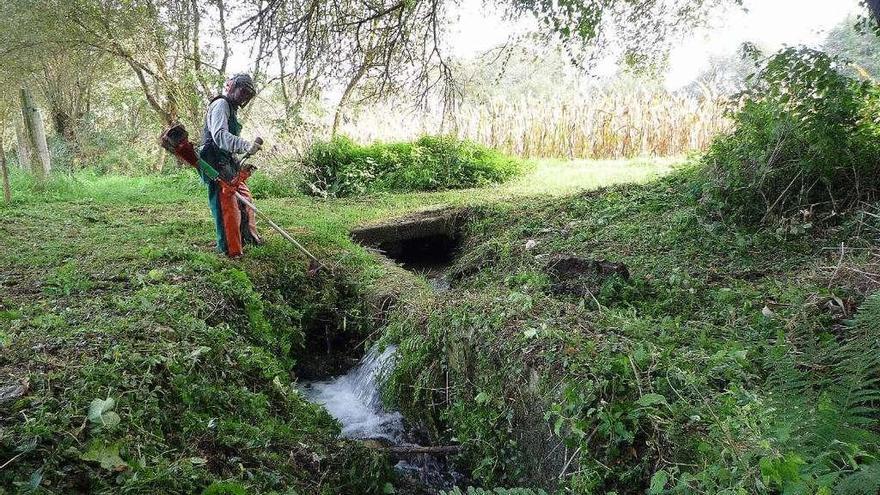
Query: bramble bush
{"x": 340, "y": 167}
{"x": 806, "y": 137}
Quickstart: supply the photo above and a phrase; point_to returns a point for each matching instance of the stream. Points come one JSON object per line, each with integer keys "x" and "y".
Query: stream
{"x": 354, "y": 400}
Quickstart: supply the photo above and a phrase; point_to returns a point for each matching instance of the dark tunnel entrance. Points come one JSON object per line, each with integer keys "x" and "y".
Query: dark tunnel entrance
{"x": 426, "y": 243}
{"x": 428, "y": 254}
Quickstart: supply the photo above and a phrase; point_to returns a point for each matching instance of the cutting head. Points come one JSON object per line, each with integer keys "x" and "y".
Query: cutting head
{"x": 175, "y": 140}
{"x": 173, "y": 137}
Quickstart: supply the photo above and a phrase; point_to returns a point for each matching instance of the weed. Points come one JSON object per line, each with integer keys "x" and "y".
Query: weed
{"x": 343, "y": 168}
{"x": 176, "y": 364}
{"x": 783, "y": 158}
{"x": 665, "y": 381}
{"x": 66, "y": 281}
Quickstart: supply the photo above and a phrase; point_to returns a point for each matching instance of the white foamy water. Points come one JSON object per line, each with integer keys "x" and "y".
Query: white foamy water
{"x": 354, "y": 399}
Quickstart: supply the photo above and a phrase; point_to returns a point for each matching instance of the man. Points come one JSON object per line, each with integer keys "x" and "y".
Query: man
{"x": 235, "y": 222}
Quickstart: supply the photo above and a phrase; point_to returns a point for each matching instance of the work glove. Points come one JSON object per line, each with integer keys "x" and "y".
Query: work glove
{"x": 255, "y": 147}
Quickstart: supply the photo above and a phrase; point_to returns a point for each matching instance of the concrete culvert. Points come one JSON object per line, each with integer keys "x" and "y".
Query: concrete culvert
{"x": 426, "y": 242}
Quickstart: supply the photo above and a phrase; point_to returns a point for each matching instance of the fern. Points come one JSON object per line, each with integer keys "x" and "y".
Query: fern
{"x": 865, "y": 481}
{"x": 826, "y": 392}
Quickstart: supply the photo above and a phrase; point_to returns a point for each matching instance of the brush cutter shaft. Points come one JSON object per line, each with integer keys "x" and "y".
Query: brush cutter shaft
{"x": 276, "y": 227}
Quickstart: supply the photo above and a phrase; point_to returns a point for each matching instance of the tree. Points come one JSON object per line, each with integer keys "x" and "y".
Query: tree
{"x": 18, "y": 108}
{"x": 857, "y": 46}
{"x": 366, "y": 49}
{"x": 41, "y": 57}
{"x": 7, "y": 193}
{"x": 162, "y": 43}
{"x": 159, "y": 42}
{"x": 66, "y": 78}
{"x": 35, "y": 135}
{"x": 726, "y": 75}
{"x": 372, "y": 49}
{"x": 637, "y": 31}
{"x": 4, "y": 169}
{"x": 394, "y": 45}
{"x": 517, "y": 70}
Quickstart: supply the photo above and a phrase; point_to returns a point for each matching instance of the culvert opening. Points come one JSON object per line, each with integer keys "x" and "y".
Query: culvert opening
{"x": 429, "y": 254}
{"x": 329, "y": 352}
{"x": 425, "y": 243}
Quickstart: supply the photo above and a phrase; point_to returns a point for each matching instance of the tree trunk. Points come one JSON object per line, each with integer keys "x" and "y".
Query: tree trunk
{"x": 349, "y": 89}
{"x": 24, "y": 156}
{"x": 7, "y": 194}
{"x": 160, "y": 160}
{"x": 224, "y": 36}
{"x": 35, "y": 134}
{"x": 63, "y": 124}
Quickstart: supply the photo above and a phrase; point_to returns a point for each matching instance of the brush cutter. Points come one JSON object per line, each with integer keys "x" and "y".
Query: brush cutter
{"x": 175, "y": 140}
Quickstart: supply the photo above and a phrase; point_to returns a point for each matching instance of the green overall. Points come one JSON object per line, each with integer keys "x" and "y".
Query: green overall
{"x": 226, "y": 165}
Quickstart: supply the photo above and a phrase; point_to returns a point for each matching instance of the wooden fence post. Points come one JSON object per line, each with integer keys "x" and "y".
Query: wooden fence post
{"x": 7, "y": 194}
{"x": 24, "y": 156}
{"x": 36, "y": 134}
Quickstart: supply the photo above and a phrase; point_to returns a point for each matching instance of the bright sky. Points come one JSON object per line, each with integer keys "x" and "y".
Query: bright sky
{"x": 768, "y": 23}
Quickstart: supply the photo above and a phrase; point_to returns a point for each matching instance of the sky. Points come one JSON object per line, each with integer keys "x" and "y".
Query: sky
{"x": 770, "y": 24}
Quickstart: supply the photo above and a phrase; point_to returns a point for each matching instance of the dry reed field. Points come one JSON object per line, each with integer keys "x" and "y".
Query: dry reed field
{"x": 612, "y": 123}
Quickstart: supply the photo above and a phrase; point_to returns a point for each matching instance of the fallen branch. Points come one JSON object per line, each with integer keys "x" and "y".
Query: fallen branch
{"x": 418, "y": 449}
{"x": 10, "y": 461}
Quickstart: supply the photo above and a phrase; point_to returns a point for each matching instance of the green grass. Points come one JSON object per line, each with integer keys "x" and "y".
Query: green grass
{"x": 106, "y": 188}
{"x": 111, "y": 289}
{"x": 562, "y": 177}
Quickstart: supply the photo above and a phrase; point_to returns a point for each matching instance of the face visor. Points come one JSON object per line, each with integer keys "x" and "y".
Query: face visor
{"x": 242, "y": 95}
{"x": 240, "y": 89}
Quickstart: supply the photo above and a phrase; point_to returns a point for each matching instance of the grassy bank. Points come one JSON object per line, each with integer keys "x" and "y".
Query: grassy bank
{"x": 701, "y": 357}
{"x": 708, "y": 366}
{"x": 148, "y": 364}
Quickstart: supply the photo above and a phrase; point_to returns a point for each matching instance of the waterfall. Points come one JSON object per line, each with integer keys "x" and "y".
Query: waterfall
{"x": 354, "y": 399}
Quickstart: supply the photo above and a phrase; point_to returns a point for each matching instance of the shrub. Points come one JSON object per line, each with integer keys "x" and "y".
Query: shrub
{"x": 275, "y": 185}
{"x": 805, "y": 137}
{"x": 341, "y": 167}
{"x": 105, "y": 152}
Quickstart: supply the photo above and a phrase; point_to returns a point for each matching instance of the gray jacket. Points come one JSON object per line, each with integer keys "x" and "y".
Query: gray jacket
{"x": 217, "y": 122}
